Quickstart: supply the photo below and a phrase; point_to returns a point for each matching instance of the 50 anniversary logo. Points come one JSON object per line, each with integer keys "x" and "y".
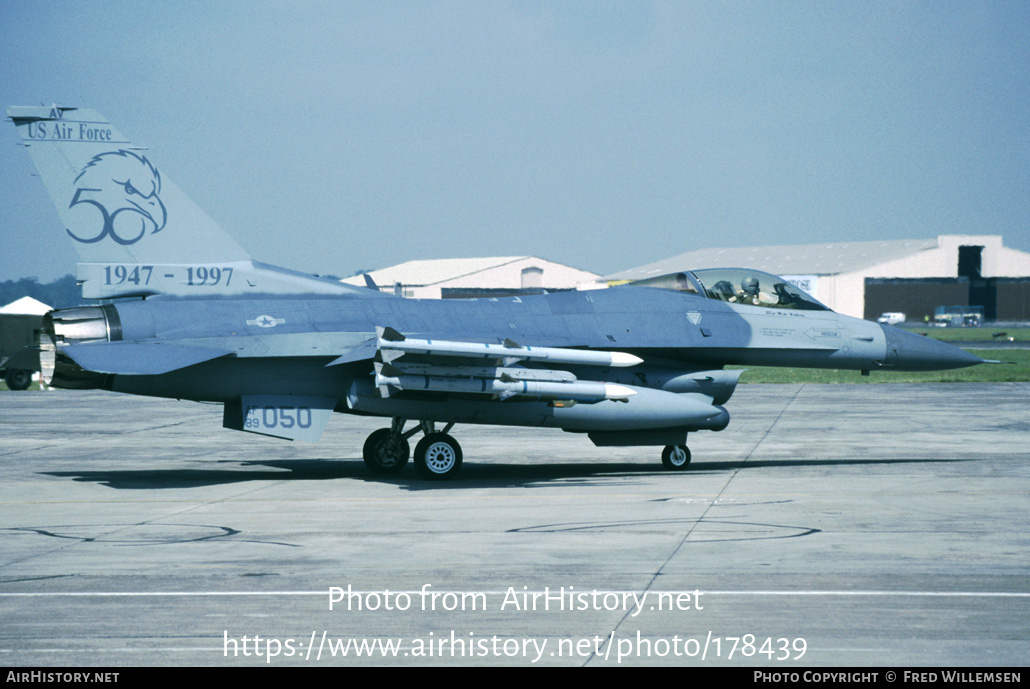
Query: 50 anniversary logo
{"x": 125, "y": 188}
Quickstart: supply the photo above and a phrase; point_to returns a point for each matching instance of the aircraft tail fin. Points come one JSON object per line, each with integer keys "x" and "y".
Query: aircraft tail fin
{"x": 135, "y": 231}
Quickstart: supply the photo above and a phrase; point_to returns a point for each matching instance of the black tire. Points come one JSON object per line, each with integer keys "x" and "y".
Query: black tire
{"x": 676, "y": 457}
{"x": 384, "y": 454}
{"x": 18, "y": 379}
{"x": 437, "y": 457}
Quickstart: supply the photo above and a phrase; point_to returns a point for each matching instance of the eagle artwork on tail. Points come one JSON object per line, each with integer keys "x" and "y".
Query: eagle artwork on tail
{"x": 125, "y": 188}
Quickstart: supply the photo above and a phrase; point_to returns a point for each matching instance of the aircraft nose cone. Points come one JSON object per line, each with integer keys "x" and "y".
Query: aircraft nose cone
{"x": 908, "y": 352}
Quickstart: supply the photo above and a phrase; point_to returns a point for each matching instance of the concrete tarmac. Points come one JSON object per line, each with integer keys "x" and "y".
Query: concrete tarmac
{"x": 865, "y": 525}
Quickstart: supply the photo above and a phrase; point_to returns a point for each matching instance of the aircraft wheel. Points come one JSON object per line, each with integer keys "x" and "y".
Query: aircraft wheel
{"x": 18, "y": 379}
{"x": 385, "y": 453}
{"x": 437, "y": 457}
{"x": 676, "y": 457}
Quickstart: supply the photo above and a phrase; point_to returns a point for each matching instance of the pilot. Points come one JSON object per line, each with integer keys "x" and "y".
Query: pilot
{"x": 683, "y": 284}
{"x": 723, "y": 290}
{"x": 751, "y": 293}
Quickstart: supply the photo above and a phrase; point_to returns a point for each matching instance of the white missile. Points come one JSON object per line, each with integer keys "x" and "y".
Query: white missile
{"x": 584, "y": 391}
{"x": 390, "y": 341}
{"x": 509, "y": 374}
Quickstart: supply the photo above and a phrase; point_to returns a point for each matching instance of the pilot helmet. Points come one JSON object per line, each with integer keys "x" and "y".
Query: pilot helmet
{"x": 750, "y": 284}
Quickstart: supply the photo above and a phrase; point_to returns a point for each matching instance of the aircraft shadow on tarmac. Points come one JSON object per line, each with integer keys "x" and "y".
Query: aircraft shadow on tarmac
{"x": 487, "y": 474}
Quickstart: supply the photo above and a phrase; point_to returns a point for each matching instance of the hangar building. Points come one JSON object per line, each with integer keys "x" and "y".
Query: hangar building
{"x": 865, "y": 279}
{"x": 464, "y": 278}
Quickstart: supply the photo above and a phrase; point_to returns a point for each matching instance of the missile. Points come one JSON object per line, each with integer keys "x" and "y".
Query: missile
{"x": 393, "y": 344}
{"x": 388, "y": 377}
{"x": 504, "y": 373}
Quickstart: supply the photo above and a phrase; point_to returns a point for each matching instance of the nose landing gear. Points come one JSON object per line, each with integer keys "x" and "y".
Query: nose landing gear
{"x": 676, "y": 457}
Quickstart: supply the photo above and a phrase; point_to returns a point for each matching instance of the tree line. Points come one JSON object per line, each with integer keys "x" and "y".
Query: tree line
{"x": 60, "y": 294}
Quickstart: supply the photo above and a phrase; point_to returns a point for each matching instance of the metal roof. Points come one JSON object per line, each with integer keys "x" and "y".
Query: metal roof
{"x": 26, "y": 306}
{"x": 791, "y": 259}
{"x": 434, "y": 271}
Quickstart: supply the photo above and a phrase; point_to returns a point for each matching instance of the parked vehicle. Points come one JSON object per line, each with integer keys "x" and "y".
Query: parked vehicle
{"x": 19, "y": 348}
{"x": 958, "y": 316}
{"x": 891, "y": 317}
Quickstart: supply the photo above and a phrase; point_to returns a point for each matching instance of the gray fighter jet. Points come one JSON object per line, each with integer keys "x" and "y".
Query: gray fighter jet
{"x": 197, "y": 318}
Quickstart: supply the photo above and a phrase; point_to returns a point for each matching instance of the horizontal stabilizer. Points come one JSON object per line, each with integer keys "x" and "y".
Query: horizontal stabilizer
{"x": 138, "y": 359}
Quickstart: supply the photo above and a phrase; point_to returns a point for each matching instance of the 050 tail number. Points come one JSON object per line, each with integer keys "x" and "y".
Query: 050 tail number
{"x": 277, "y": 418}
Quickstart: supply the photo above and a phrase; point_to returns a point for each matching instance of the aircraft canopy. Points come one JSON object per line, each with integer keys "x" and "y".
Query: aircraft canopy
{"x": 737, "y": 286}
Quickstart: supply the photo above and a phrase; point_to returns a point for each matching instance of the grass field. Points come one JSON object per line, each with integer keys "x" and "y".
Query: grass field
{"x": 1017, "y": 369}
{"x": 984, "y": 334}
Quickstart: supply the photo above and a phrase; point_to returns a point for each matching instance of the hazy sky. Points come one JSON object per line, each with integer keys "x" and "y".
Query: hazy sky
{"x": 335, "y": 136}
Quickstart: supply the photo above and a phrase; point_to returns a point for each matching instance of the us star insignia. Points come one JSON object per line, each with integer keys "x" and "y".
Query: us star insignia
{"x": 266, "y": 321}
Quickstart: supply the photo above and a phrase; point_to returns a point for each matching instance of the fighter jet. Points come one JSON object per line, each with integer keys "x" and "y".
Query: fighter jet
{"x": 191, "y": 315}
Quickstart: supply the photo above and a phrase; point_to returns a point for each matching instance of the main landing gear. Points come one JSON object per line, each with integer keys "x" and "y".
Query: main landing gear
{"x": 437, "y": 455}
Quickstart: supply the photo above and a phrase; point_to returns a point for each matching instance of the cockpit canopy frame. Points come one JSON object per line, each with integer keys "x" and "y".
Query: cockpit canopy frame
{"x": 737, "y": 286}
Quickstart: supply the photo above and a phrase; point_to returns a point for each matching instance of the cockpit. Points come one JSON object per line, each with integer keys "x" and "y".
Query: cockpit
{"x": 737, "y": 286}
